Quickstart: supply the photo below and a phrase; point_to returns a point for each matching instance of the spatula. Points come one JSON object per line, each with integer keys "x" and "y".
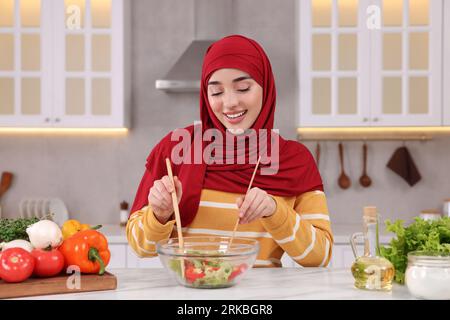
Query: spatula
{"x": 177, "y": 214}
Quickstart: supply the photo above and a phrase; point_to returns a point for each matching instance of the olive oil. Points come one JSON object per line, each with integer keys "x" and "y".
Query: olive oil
{"x": 371, "y": 271}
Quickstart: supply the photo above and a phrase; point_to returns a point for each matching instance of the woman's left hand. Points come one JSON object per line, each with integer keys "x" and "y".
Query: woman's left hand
{"x": 256, "y": 204}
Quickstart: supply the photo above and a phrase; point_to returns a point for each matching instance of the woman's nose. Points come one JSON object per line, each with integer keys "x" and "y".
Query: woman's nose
{"x": 230, "y": 100}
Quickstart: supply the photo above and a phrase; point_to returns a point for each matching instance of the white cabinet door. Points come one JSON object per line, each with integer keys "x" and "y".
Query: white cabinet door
{"x": 118, "y": 256}
{"x": 334, "y": 63}
{"x": 25, "y": 63}
{"x": 406, "y": 64}
{"x": 90, "y": 88}
{"x": 386, "y": 75}
{"x": 64, "y": 63}
{"x": 343, "y": 256}
{"x": 134, "y": 261}
{"x": 446, "y": 86}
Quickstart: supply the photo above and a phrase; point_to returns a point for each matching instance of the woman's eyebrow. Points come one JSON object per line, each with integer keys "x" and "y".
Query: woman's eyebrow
{"x": 235, "y": 80}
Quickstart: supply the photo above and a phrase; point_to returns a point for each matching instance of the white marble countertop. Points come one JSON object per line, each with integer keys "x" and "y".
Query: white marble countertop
{"x": 341, "y": 233}
{"x": 257, "y": 284}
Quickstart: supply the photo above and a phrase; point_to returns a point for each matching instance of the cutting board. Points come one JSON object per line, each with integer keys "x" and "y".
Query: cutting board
{"x": 58, "y": 285}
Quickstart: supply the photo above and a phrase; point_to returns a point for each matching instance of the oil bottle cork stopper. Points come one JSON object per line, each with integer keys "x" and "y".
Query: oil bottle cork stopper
{"x": 370, "y": 211}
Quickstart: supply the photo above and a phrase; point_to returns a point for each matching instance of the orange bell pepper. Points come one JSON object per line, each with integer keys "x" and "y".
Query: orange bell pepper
{"x": 70, "y": 227}
{"x": 88, "y": 249}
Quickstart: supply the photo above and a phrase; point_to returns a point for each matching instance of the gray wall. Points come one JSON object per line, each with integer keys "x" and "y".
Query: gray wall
{"x": 94, "y": 173}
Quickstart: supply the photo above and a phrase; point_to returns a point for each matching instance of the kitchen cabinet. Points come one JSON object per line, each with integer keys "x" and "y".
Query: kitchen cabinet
{"x": 123, "y": 256}
{"x": 64, "y": 63}
{"x": 370, "y": 63}
{"x": 446, "y": 89}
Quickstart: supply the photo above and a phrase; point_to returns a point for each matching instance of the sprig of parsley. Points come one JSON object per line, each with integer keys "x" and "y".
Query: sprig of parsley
{"x": 421, "y": 235}
{"x": 13, "y": 229}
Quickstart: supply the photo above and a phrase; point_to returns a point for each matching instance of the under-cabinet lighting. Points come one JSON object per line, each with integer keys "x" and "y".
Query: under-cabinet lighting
{"x": 111, "y": 131}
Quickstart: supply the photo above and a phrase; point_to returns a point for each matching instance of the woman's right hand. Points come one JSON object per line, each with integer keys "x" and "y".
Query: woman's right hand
{"x": 160, "y": 198}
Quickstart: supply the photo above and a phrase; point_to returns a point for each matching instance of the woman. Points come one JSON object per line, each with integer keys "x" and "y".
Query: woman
{"x": 286, "y": 210}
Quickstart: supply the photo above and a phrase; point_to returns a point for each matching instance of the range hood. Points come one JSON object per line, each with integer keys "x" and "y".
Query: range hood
{"x": 185, "y": 74}
{"x": 216, "y": 19}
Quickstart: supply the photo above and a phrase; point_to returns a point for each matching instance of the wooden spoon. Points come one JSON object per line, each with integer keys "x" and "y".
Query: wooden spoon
{"x": 344, "y": 181}
{"x": 318, "y": 154}
{"x": 5, "y": 182}
{"x": 365, "y": 180}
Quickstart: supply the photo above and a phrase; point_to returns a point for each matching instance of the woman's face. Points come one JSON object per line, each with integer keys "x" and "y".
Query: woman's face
{"x": 235, "y": 98}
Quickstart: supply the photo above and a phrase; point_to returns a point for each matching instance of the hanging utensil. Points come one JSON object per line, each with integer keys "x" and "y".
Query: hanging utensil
{"x": 5, "y": 184}
{"x": 318, "y": 154}
{"x": 365, "y": 180}
{"x": 343, "y": 181}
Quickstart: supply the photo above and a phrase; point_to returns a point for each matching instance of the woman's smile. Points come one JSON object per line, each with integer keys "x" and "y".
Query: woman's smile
{"x": 235, "y": 98}
{"x": 234, "y": 118}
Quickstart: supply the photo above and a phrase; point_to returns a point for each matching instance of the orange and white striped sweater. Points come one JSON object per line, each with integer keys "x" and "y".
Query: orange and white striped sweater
{"x": 300, "y": 227}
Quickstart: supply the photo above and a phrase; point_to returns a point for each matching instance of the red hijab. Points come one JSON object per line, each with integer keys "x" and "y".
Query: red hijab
{"x": 297, "y": 171}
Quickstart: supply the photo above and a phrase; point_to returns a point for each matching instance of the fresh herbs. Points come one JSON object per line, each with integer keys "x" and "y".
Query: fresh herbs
{"x": 13, "y": 229}
{"x": 421, "y": 235}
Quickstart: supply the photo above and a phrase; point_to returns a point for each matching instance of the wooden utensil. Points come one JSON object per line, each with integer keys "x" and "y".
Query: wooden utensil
{"x": 177, "y": 213}
{"x": 248, "y": 189}
{"x": 318, "y": 154}
{"x": 5, "y": 182}
{"x": 344, "y": 181}
{"x": 365, "y": 180}
{"x": 58, "y": 285}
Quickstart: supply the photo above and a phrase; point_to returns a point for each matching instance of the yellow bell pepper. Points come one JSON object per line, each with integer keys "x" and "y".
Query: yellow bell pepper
{"x": 71, "y": 227}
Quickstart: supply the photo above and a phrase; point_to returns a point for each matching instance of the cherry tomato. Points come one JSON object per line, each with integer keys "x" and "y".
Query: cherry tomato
{"x": 48, "y": 262}
{"x": 16, "y": 265}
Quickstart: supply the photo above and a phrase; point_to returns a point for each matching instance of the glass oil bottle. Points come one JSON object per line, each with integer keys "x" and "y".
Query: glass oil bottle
{"x": 371, "y": 271}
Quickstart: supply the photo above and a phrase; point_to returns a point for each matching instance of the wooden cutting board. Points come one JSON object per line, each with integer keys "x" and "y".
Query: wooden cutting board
{"x": 58, "y": 285}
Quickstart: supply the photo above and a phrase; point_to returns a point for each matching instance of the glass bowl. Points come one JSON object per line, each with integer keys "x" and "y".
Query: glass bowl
{"x": 209, "y": 262}
{"x": 428, "y": 275}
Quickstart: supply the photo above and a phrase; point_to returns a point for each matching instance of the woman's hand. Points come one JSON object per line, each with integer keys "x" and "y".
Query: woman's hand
{"x": 256, "y": 204}
{"x": 160, "y": 198}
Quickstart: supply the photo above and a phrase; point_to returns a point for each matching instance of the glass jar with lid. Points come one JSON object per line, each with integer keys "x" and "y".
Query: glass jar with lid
{"x": 428, "y": 275}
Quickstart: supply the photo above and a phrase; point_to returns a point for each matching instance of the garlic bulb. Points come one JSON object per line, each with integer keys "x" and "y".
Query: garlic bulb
{"x": 44, "y": 234}
{"x": 19, "y": 243}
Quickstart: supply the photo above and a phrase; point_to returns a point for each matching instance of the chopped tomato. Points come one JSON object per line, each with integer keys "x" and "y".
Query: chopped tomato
{"x": 237, "y": 270}
{"x": 192, "y": 274}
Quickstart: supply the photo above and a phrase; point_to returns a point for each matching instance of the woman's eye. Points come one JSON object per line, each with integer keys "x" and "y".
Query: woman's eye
{"x": 240, "y": 90}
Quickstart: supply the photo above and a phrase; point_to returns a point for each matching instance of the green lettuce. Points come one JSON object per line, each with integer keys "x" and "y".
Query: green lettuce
{"x": 421, "y": 235}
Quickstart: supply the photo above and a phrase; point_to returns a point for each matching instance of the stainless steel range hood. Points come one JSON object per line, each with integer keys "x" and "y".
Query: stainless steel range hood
{"x": 185, "y": 74}
{"x": 212, "y": 21}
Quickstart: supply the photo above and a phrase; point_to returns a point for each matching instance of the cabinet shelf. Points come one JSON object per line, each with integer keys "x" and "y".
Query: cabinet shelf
{"x": 379, "y": 133}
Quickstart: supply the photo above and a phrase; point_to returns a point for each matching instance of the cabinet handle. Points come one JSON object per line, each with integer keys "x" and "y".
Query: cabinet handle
{"x": 375, "y": 119}
{"x": 47, "y": 120}
{"x": 57, "y": 120}
{"x": 365, "y": 119}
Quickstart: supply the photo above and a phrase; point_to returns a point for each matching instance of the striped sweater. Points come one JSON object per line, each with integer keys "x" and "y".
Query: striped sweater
{"x": 300, "y": 227}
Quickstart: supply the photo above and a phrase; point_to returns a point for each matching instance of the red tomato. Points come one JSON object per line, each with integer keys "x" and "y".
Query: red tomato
{"x": 237, "y": 271}
{"x": 16, "y": 265}
{"x": 191, "y": 275}
{"x": 48, "y": 262}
